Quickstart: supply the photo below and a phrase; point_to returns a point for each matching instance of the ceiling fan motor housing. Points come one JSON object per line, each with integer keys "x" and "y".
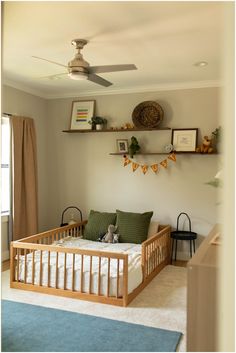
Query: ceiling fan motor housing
{"x": 78, "y": 64}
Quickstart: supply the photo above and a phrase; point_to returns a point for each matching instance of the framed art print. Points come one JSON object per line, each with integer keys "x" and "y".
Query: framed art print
{"x": 184, "y": 140}
{"x": 122, "y": 146}
{"x": 81, "y": 114}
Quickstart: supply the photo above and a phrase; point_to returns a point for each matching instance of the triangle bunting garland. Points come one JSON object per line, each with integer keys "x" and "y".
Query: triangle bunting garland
{"x": 126, "y": 161}
{"x": 155, "y": 167}
{"x": 135, "y": 166}
{"x": 144, "y": 168}
{"x": 164, "y": 163}
{"x": 172, "y": 157}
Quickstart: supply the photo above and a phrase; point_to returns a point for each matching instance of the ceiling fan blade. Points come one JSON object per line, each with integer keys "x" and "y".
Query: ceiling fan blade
{"x": 53, "y": 77}
{"x": 111, "y": 68}
{"x": 50, "y": 61}
{"x": 99, "y": 80}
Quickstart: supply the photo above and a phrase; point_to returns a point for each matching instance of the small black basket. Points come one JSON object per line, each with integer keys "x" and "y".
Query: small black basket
{"x": 67, "y": 208}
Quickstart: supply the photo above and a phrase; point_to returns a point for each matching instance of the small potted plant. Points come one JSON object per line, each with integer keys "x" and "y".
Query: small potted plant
{"x": 97, "y": 122}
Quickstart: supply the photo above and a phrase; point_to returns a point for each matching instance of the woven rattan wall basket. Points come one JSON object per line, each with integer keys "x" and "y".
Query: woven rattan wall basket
{"x": 148, "y": 114}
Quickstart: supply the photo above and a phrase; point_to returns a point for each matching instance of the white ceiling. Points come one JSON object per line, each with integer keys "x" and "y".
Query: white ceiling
{"x": 163, "y": 39}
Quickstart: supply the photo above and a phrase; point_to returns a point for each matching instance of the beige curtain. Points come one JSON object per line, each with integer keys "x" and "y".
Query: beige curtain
{"x": 24, "y": 177}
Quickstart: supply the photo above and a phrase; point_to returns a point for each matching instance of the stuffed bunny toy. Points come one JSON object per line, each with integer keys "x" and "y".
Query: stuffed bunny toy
{"x": 111, "y": 236}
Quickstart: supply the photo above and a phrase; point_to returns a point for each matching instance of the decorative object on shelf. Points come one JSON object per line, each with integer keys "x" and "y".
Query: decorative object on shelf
{"x": 97, "y": 122}
{"x": 216, "y": 137}
{"x": 206, "y": 146}
{"x": 147, "y": 114}
{"x": 72, "y": 219}
{"x": 134, "y": 147}
{"x": 127, "y": 126}
{"x": 145, "y": 167}
{"x": 184, "y": 140}
{"x": 81, "y": 113}
{"x": 122, "y": 146}
{"x": 168, "y": 148}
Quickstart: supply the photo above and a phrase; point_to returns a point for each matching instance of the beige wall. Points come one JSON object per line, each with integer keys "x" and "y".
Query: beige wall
{"x": 82, "y": 172}
{"x": 76, "y": 169}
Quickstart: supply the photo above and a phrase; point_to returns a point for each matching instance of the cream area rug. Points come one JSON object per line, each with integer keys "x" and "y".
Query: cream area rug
{"x": 161, "y": 304}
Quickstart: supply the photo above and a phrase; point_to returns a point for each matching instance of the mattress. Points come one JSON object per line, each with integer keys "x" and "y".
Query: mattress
{"x": 134, "y": 267}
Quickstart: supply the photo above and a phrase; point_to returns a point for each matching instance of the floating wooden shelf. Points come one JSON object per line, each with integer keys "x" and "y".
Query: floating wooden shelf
{"x": 156, "y": 153}
{"x": 116, "y": 130}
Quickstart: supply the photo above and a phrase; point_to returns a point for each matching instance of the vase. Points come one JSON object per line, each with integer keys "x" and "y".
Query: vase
{"x": 99, "y": 126}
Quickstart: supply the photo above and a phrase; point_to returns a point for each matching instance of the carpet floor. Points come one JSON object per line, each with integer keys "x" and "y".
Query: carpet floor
{"x": 33, "y": 328}
{"x": 162, "y": 304}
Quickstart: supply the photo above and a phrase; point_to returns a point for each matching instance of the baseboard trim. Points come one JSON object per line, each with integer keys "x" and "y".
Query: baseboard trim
{"x": 5, "y": 255}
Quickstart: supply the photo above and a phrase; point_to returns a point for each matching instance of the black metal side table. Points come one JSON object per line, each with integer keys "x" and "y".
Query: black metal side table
{"x": 183, "y": 235}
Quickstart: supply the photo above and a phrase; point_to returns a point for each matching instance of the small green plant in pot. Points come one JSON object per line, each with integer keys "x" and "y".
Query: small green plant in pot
{"x": 134, "y": 147}
{"x": 97, "y": 122}
{"x": 217, "y": 138}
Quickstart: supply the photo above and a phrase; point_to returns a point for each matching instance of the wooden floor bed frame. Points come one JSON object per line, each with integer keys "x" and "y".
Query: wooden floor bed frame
{"x": 151, "y": 264}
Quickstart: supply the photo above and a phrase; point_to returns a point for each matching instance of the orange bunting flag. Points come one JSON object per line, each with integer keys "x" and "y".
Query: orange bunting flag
{"x": 135, "y": 166}
{"x": 164, "y": 163}
{"x": 127, "y": 161}
{"x": 154, "y": 167}
{"x": 144, "y": 168}
{"x": 172, "y": 156}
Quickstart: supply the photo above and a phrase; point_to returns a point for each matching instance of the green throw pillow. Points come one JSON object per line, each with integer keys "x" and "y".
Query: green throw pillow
{"x": 133, "y": 227}
{"x": 98, "y": 223}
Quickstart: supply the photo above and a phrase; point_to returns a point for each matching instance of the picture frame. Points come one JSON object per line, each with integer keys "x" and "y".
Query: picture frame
{"x": 122, "y": 145}
{"x": 184, "y": 140}
{"x": 81, "y": 114}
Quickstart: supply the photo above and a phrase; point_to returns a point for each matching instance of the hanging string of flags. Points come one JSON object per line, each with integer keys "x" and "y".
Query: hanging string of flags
{"x": 144, "y": 167}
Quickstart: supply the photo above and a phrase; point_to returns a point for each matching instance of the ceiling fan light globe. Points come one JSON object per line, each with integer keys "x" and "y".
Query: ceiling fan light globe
{"x": 78, "y": 75}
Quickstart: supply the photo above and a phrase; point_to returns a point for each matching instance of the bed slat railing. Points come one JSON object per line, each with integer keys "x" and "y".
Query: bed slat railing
{"x": 44, "y": 253}
{"x": 56, "y": 270}
{"x": 74, "y": 230}
{"x": 73, "y": 273}
{"x": 39, "y": 252}
{"x": 81, "y": 273}
{"x": 65, "y": 255}
{"x": 99, "y": 276}
{"x": 90, "y": 274}
{"x": 108, "y": 277}
{"x": 49, "y": 268}
{"x": 118, "y": 278}
{"x": 156, "y": 252}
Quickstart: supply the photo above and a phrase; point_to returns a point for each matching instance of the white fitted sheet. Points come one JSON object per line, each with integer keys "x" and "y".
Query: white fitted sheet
{"x": 134, "y": 267}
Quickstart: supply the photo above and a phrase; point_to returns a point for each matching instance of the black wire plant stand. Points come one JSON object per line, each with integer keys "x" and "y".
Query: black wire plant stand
{"x": 183, "y": 235}
{"x": 63, "y": 213}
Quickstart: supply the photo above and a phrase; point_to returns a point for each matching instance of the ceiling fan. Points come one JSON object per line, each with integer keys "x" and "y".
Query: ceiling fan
{"x": 79, "y": 69}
